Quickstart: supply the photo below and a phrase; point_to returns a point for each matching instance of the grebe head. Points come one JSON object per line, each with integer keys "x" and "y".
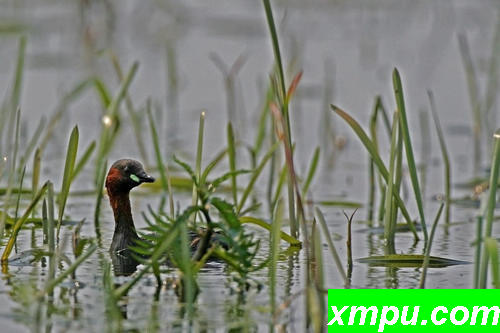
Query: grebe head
{"x": 124, "y": 175}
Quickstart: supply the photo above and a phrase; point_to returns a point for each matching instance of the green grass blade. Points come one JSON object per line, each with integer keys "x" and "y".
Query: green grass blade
{"x": 372, "y": 150}
{"x": 101, "y": 177}
{"x": 312, "y": 171}
{"x": 218, "y": 158}
{"x": 19, "y": 192}
{"x": 10, "y": 180}
{"x": 255, "y": 176}
{"x": 490, "y": 210}
{"x": 473, "y": 86}
{"x": 67, "y": 176}
{"x": 412, "y": 167}
{"x": 274, "y": 247}
{"x": 37, "y": 166}
{"x": 19, "y": 223}
{"x": 331, "y": 246}
{"x": 18, "y": 78}
{"x": 276, "y": 46}
{"x": 102, "y": 91}
{"x": 258, "y": 222}
{"x": 134, "y": 116}
{"x": 427, "y": 253}
{"x": 491, "y": 245}
{"x": 164, "y": 172}
{"x": 199, "y": 154}
{"x": 231, "y": 153}
{"x": 444, "y": 154}
{"x": 389, "y": 218}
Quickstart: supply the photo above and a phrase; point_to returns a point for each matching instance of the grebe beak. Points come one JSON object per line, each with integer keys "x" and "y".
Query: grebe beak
{"x": 145, "y": 178}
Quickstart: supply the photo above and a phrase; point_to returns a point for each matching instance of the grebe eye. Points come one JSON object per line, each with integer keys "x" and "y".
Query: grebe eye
{"x": 125, "y": 169}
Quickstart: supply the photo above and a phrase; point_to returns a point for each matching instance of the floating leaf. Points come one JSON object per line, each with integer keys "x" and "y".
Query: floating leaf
{"x": 409, "y": 260}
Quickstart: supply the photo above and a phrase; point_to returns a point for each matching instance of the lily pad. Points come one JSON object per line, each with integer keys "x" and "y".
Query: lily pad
{"x": 409, "y": 260}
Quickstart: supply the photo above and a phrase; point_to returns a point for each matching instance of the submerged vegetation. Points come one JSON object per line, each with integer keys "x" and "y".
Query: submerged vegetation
{"x": 248, "y": 220}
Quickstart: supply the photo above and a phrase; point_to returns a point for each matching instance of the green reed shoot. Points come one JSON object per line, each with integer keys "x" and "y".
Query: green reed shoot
{"x": 477, "y": 255}
{"x": 427, "y": 253}
{"x": 69, "y": 167}
{"x": 473, "y": 87}
{"x": 10, "y": 181}
{"x": 389, "y": 218}
{"x": 331, "y": 246}
{"x": 283, "y": 98}
{"x": 490, "y": 118}
{"x": 102, "y": 91}
{"x": 199, "y": 154}
{"x": 274, "y": 246}
{"x": 378, "y": 109}
{"x": 425, "y": 151}
{"x": 255, "y": 175}
{"x": 490, "y": 210}
{"x": 19, "y": 192}
{"x": 372, "y": 150}
{"x": 231, "y": 153}
{"x": 18, "y": 78}
{"x": 446, "y": 159}
{"x": 491, "y": 245}
{"x": 316, "y": 299}
{"x": 412, "y": 167}
{"x": 217, "y": 159}
{"x": 279, "y": 186}
{"x": 19, "y": 223}
{"x": 312, "y": 171}
{"x": 101, "y": 178}
{"x": 163, "y": 168}
{"x": 15, "y": 98}
{"x": 50, "y": 218}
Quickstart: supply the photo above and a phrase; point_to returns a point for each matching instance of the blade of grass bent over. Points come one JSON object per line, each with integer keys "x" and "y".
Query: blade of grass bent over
{"x": 412, "y": 167}
{"x": 284, "y": 236}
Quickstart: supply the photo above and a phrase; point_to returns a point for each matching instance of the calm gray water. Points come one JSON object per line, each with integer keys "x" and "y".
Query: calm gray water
{"x": 347, "y": 50}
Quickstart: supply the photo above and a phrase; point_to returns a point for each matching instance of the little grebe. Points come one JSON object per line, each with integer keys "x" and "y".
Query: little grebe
{"x": 123, "y": 176}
